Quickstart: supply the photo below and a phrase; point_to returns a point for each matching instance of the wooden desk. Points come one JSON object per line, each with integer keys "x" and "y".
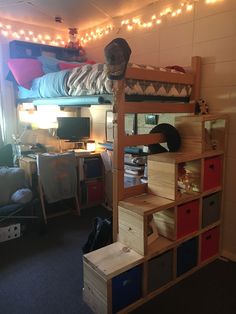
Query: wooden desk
{"x": 90, "y": 187}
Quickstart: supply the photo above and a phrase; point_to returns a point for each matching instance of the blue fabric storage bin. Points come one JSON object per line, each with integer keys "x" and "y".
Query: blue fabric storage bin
{"x": 126, "y": 288}
{"x": 92, "y": 167}
{"x": 187, "y": 256}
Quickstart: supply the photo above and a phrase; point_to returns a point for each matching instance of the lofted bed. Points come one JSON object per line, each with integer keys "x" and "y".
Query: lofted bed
{"x": 143, "y": 90}
{"x": 52, "y": 75}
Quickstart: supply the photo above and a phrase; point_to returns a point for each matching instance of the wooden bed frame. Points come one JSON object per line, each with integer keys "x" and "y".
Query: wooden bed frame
{"x": 19, "y": 49}
{"x": 122, "y": 107}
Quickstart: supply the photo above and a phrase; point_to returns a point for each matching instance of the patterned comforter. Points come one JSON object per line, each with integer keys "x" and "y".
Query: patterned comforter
{"x": 93, "y": 79}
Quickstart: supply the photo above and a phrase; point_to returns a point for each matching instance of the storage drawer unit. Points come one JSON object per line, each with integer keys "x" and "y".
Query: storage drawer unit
{"x": 212, "y": 173}
{"x": 160, "y": 271}
{"x": 211, "y": 209}
{"x": 113, "y": 278}
{"x": 134, "y": 222}
{"x": 165, "y": 175}
{"x": 94, "y": 191}
{"x": 187, "y": 218}
{"x": 210, "y": 243}
{"x": 126, "y": 288}
{"x": 187, "y": 256}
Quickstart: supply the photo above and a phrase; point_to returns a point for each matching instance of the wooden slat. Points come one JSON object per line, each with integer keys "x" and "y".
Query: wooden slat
{"x": 158, "y": 107}
{"x": 159, "y": 76}
{"x": 135, "y": 190}
{"x": 143, "y": 139}
{"x": 146, "y": 204}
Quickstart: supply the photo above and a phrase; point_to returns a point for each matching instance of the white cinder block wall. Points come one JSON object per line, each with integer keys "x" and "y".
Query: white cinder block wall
{"x": 210, "y": 32}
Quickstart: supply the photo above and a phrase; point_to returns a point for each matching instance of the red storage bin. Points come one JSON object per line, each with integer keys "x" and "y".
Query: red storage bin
{"x": 187, "y": 218}
{"x": 212, "y": 172}
{"x": 210, "y": 243}
{"x": 94, "y": 191}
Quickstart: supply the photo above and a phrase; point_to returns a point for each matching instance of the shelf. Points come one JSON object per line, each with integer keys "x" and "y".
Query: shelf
{"x": 201, "y": 133}
{"x": 113, "y": 259}
{"x": 170, "y": 221}
{"x": 146, "y": 204}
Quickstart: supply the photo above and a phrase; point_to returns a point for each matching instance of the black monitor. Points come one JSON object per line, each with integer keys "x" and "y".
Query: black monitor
{"x": 73, "y": 129}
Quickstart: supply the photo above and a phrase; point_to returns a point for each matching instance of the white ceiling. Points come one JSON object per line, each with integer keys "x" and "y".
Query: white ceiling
{"x": 82, "y": 14}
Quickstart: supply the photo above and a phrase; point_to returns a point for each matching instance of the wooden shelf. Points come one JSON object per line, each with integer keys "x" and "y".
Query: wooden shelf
{"x": 113, "y": 259}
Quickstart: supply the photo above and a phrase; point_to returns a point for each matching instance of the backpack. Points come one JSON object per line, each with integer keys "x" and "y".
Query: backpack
{"x": 101, "y": 235}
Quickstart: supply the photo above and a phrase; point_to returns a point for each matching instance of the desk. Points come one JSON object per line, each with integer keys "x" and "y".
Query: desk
{"x": 90, "y": 182}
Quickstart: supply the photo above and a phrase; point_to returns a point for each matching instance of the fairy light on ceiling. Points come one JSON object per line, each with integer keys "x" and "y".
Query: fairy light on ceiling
{"x": 137, "y": 23}
{"x": 13, "y": 32}
{"x": 131, "y": 24}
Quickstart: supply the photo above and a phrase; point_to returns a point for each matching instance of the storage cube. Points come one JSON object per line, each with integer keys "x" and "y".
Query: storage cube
{"x": 210, "y": 243}
{"x": 211, "y": 209}
{"x": 112, "y": 278}
{"x": 174, "y": 175}
{"x": 126, "y": 288}
{"x": 187, "y": 218}
{"x": 166, "y": 223}
{"x": 212, "y": 172}
{"x": 93, "y": 167}
{"x": 94, "y": 191}
{"x": 160, "y": 271}
{"x": 135, "y": 221}
{"x": 187, "y": 256}
{"x": 201, "y": 133}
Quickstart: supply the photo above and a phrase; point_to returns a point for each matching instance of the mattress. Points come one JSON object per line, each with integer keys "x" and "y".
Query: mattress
{"x": 93, "y": 80}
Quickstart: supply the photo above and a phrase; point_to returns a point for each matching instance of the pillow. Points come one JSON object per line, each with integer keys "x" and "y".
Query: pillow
{"x": 25, "y": 70}
{"x": 22, "y": 196}
{"x": 49, "y": 64}
{"x": 71, "y": 65}
{"x": 67, "y": 65}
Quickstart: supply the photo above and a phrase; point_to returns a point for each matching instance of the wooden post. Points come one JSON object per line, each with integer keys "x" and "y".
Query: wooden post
{"x": 118, "y": 151}
{"x": 196, "y": 69}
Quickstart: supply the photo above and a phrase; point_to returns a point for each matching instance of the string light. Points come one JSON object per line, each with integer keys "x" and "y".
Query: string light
{"x": 130, "y": 24}
{"x": 10, "y": 31}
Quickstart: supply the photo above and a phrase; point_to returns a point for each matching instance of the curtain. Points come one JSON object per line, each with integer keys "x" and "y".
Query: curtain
{"x": 8, "y": 113}
{"x": 2, "y": 120}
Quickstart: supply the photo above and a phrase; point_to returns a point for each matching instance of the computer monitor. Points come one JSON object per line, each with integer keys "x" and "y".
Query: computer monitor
{"x": 73, "y": 129}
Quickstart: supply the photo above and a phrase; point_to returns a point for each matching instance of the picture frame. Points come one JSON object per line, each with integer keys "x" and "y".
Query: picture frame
{"x": 151, "y": 119}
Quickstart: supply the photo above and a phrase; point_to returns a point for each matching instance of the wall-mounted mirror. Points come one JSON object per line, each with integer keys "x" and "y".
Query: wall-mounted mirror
{"x": 109, "y": 126}
{"x": 134, "y": 124}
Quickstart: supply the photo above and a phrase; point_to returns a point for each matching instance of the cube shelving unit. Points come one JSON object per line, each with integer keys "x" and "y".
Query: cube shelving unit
{"x": 170, "y": 230}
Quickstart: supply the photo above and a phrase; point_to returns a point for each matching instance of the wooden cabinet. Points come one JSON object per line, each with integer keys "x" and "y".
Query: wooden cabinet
{"x": 175, "y": 225}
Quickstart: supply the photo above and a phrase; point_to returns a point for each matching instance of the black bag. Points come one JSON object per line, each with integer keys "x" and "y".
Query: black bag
{"x": 101, "y": 235}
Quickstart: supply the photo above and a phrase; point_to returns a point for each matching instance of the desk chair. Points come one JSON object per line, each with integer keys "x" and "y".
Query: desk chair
{"x": 57, "y": 181}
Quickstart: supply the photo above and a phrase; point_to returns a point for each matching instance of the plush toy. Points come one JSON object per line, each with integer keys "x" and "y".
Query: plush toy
{"x": 201, "y": 107}
{"x": 74, "y": 43}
